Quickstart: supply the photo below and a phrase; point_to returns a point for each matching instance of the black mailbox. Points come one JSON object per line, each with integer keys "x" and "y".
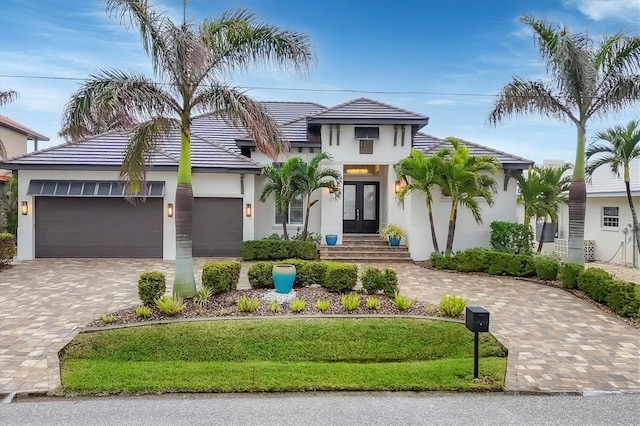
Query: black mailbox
{"x": 477, "y": 319}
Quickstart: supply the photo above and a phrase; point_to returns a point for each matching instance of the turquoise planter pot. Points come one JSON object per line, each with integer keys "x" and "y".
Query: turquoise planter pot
{"x": 331, "y": 239}
{"x": 284, "y": 276}
{"x": 394, "y": 241}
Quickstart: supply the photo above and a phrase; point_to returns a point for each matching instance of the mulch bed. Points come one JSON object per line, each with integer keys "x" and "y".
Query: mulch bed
{"x": 224, "y": 305}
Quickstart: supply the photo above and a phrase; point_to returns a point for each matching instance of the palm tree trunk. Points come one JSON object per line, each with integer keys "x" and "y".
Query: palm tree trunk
{"x": 434, "y": 237}
{"x": 544, "y": 228}
{"x": 634, "y": 216}
{"x": 577, "y": 203}
{"x": 285, "y": 219}
{"x": 453, "y": 215}
{"x": 306, "y": 218}
{"x": 184, "y": 284}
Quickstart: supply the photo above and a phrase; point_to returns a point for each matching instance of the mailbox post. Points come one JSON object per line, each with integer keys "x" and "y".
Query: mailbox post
{"x": 476, "y": 320}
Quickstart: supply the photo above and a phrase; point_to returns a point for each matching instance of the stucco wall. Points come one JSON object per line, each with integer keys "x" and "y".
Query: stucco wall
{"x": 348, "y": 152}
{"x": 15, "y": 144}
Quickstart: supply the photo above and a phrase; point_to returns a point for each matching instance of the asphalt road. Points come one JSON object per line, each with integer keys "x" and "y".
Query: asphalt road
{"x": 327, "y": 409}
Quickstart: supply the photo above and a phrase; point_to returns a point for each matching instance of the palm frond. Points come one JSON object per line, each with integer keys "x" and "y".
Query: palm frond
{"x": 8, "y": 96}
{"x": 240, "y": 110}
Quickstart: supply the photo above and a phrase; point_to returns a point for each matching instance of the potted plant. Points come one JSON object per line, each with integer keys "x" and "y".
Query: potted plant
{"x": 284, "y": 276}
{"x": 392, "y": 233}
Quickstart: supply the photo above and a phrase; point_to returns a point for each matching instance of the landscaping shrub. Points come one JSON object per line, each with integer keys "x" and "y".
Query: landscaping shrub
{"x": 441, "y": 261}
{"x": 595, "y": 283}
{"x": 375, "y": 279}
{"x": 7, "y": 248}
{"x": 511, "y": 237}
{"x": 301, "y": 266}
{"x": 624, "y": 298}
{"x": 151, "y": 286}
{"x": 520, "y": 265}
{"x": 312, "y": 273}
{"x": 498, "y": 262}
{"x": 273, "y": 249}
{"x": 221, "y": 276}
{"x": 340, "y": 277}
{"x": 259, "y": 275}
{"x": 472, "y": 260}
{"x": 546, "y": 267}
{"x": 451, "y": 305}
{"x": 569, "y": 274}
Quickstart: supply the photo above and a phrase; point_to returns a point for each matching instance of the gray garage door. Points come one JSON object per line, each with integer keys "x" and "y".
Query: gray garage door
{"x": 98, "y": 227}
{"x": 217, "y": 227}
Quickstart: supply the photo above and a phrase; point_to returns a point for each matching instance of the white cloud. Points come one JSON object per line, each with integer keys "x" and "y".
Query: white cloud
{"x": 440, "y": 102}
{"x": 599, "y": 10}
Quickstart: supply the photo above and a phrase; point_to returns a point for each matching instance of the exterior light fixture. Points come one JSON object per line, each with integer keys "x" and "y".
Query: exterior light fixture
{"x": 248, "y": 210}
{"x": 24, "y": 208}
{"x": 170, "y": 209}
{"x": 397, "y": 186}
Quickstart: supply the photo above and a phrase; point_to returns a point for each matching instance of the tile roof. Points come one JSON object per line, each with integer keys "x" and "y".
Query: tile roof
{"x": 364, "y": 108}
{"x": 430, "y": 144}
{"x": 17, "y": 127}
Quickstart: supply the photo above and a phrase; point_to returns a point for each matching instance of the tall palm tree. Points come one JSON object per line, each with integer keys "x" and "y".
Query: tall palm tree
{"x": 282, "y": 184}
{"x": 6, "y": 97}
{"x": 190, "y": 62}
{"x": 530, "y": 188}
{"x": 588, "y": 78}
{"x": 465, "y": 178}
{"x": 311, "y": 177}
{"x": 556, "y": 184}
{"x": 420, "y": 174}
{"x": 623, "y": 146}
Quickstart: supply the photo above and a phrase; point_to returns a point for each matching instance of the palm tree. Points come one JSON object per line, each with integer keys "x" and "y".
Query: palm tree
{"x": 420, "y": 174}
{"x": 282, "y": 184}
{"x": 464, "y": 178}
{"x": 623, "y": 146}
{"x": 588, "y": 79}
{"x": 555, "y": 185}
{"x": 190, "y": 61}
{"x": 311, "y": 177}
{"x": 5, "y": 98}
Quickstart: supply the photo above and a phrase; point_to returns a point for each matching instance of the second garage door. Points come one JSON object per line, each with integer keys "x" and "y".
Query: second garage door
{"x": 98, "y": 227}
{"x": 217, "y": 227}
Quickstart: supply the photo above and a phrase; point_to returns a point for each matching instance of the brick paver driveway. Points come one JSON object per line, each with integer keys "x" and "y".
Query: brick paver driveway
{"x": 556, "y": 342}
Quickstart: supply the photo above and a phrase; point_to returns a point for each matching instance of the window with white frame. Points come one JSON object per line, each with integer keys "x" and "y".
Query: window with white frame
{"x": 296, "y": 212}
{"x": 610, "y": 217}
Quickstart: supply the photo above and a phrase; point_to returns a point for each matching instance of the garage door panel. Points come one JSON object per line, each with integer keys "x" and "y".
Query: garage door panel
{"x": 217, "y": 227}
{"x": 98, "y": 227}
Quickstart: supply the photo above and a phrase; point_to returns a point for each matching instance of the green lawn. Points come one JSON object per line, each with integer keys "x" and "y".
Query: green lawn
{"x": 281, "y": 355}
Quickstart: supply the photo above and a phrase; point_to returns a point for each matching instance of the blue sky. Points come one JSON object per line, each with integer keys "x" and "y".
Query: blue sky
{"x": 457, "y": 53}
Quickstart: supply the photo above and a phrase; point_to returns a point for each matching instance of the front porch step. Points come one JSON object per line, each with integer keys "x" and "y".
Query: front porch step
{"x": 365, "y": 248}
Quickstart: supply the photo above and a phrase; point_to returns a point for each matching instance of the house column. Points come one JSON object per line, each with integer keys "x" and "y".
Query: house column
{"x": 331, "y": 210}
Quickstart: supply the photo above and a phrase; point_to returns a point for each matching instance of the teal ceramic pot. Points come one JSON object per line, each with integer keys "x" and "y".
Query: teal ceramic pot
{"x": 331, "y": 239}
{"x": 284, "y": 276}
{"x": 394, "y": 241}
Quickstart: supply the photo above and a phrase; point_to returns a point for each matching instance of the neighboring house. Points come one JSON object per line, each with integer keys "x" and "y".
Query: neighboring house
{"x": 608, "y": 216}
{"x": 14, "y": 137}
{"x": 76, "y": 208}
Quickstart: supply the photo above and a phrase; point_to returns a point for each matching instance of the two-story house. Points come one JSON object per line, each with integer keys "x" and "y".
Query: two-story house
{"x": 74, "y": 206}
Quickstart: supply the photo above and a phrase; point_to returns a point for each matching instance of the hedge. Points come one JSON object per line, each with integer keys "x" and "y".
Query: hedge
{"x": 7, "y": 248}
{"x": 595, "y": 282}
{"x": 151, "y": 286}
{"x": 334, "y": 276}
{"x": 511, "y": 237}
{"x": 546, "y": 267}
{"x": 486, "y": 260}
{"x": 271, "y": 249}
{"x": 569, "y": 275}
{"x": 340, "y": 277}
{"x": 259, "y": 275}
{"x": 221, "y": 276}
{"x": 375, "y": 280}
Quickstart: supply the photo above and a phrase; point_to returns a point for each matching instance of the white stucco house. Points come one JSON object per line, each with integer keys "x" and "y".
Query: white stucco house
{"x": 14, "y": 137}
{"x": 608, "y": 216}
{"x": 74, "y": 206}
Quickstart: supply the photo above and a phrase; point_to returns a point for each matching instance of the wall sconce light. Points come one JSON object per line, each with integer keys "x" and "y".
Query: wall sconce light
{"x": 170, "y": 209}
{"x": 248, "y": 210}
{"x": 24, "y": 208}
{"x": 397, "y": 186}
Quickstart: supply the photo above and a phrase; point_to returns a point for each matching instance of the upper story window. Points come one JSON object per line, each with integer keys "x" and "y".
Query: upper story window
{"x": 366, "y": 147}
{"x": 367, "y": 133}
{"x": 610, "y": 217}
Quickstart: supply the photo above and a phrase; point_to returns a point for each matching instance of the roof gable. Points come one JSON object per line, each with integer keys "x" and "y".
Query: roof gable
{"x": 17, "y": 127}
{"x": 370, "y": 110}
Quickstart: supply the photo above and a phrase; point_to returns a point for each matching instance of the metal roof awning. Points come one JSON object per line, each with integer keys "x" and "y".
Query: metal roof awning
{"x": 89, "y": 188}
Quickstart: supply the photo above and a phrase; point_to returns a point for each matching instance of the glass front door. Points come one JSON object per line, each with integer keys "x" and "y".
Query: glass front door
{"x": 361, "y": 204}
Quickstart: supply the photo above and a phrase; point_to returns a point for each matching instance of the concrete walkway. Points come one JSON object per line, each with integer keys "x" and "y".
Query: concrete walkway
{"x": 556, "y": 342}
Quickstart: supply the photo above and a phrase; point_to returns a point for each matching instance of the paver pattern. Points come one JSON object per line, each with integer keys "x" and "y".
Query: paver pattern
{"x": 556, "y": 342}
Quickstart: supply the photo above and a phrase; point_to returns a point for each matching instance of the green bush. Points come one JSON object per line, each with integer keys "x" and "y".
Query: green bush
{"x": 7, "y": 248}
{"x": 340, "y": 277}
{"x": 569, "y": 274}
{"x": 624, "y": 298}
{"x": 375, "y": 280}
{"x": 441, "y": 261}
{"x": 511, "y": 237}
{"x": 312, "y": 273}
{"x": 546, "y": 267}
{"x": 498, "y": 262}
{"x": 259, "y": 275}
{"x": 451, "y": 306}
{"x": 221, "y": 276}
{"x": 595, "y": 283}
{"x": 151, "y": 286}
{"x": 272, "y": 249}
{"x": 521, "y": 265}
{"x": 472, "y": 260}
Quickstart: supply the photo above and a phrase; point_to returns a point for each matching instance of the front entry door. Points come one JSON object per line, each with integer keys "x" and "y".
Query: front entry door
{"x": 361, "y": 204}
